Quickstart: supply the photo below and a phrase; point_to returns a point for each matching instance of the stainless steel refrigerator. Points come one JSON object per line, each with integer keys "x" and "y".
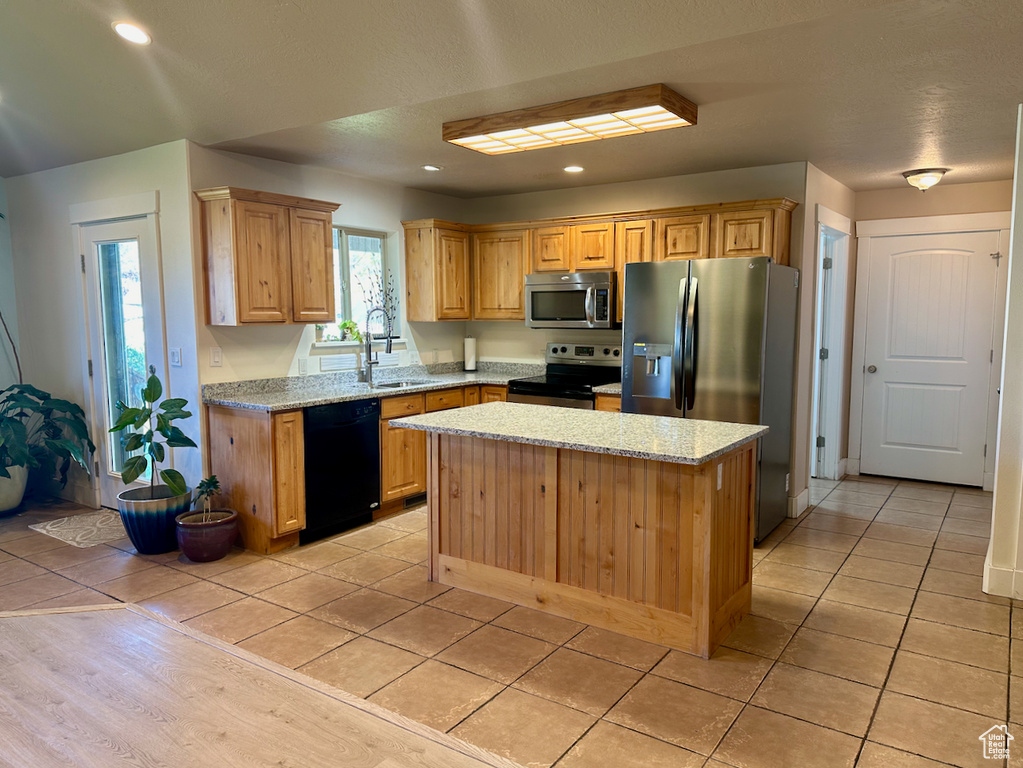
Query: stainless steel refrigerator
{"x": 714, "y": 339}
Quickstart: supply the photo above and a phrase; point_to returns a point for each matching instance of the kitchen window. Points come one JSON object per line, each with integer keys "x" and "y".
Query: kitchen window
{"x": 361, "y": 282}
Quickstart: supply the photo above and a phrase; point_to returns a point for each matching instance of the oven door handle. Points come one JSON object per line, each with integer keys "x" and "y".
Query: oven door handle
{"x": 590, "y": 306}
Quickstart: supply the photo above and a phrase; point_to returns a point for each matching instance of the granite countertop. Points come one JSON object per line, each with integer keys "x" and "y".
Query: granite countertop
{"x": 614, "y": 388}
{"x": 292, "y": 392}
{"x": 658, "y": 438}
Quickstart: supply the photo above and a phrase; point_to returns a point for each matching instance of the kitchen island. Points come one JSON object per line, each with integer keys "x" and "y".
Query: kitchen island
{"x": 638, "y": 524}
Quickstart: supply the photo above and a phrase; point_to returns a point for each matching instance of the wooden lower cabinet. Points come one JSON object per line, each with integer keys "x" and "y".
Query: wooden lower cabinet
{"x": 259, "y": 459}
{"x": 608, "y": 403}
{"x": 493, "y": 393}
{"x": 402, "y": 462}
{"x": 471, "y": 395}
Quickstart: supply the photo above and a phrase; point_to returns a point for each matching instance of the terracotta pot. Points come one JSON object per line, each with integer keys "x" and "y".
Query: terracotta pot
{"x": 12, "y": 489}
{"x": 207, "y": 537}
{"x": 150, "y": 521}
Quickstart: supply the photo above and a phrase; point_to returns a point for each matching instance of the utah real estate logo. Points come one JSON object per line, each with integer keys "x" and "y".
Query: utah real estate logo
{"x": 996, "y": 742}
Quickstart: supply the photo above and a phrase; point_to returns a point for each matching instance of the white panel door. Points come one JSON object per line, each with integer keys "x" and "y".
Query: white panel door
{"x": 930, "y": 315}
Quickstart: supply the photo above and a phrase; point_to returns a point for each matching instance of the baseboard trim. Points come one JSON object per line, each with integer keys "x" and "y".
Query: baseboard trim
{"x": 842, "y": 468}
{"x": 989, "y": 481}
{"x": 1003, "y": 582}
{"x": 799, "y": 503}
{"x": 852, "y": 466}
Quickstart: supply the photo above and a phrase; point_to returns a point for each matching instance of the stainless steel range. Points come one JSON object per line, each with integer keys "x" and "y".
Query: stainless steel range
{"x": 573, "y": 370}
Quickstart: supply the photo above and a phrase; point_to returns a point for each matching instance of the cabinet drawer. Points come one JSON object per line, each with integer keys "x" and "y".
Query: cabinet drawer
{"x": 404, "y": 405}
{"x": 444, "y": 399}
{"x": 608, "y": 403}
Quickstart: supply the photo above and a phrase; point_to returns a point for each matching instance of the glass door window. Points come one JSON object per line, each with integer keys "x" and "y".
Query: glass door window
{"x": 123, "y": 332}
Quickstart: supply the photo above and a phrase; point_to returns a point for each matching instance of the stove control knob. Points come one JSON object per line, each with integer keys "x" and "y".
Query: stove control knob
{"x": 564, "y": 349}
{"x": 607, "y": 351}
{"x": 617, "y": 352}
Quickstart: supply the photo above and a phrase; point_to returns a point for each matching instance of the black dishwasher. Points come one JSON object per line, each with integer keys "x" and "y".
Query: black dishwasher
{"x": 342, "y": 467}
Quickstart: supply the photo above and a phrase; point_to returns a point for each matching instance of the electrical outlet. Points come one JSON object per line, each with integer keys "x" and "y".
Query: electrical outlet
{"x": 303, "y": 366}
{"x": 786, "y": 482}
{"x": 721, "y": 475}
{"x": 216, "y": 357}
{"x": 434, "y": 355}
{"x": 174, "y": 354}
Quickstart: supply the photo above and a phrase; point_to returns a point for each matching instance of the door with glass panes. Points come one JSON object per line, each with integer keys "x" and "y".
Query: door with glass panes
{"x": 124, "y": 321}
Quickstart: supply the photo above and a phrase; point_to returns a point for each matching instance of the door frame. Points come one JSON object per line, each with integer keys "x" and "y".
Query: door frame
{"x": 925, "y": 225}
{"x": 141, "y": 206}
{"x": 836, "y": 312}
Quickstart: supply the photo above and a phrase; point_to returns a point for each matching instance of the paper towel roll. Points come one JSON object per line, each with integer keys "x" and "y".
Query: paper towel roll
{"x": 470, "y": 353}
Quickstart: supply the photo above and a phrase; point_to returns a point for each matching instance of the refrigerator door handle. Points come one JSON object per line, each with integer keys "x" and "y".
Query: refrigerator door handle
{"x": 590, "y": 306}
{"x": 690, "y": 345}
{"x": 677, "y": 386}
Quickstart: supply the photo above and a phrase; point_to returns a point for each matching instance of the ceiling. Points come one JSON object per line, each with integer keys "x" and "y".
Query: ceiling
{"x": 863, "y": 89}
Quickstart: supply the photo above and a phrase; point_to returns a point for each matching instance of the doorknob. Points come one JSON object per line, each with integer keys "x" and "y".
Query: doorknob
{"x": 871, "y": 369}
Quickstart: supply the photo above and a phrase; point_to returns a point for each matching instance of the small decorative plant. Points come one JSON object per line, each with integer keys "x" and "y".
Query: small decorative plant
{"x": 144, "y": 426}
{"x": 41, "y": 432}
{"x": 204, "y": 491}
{"x": 350, "y": 331}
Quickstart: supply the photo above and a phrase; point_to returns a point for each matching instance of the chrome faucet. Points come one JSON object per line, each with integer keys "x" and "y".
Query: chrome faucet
{"x": 368, "y": 361}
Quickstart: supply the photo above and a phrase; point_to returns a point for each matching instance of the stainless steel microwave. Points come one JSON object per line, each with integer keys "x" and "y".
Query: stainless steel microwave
{"x": 570, "y": 300}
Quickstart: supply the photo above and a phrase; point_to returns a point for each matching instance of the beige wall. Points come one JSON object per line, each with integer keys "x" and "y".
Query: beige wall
{"x": 1003, "y": 568}
{"x": 263, "y": 351}
{"x": 823, "y": 190}
{"x": 945, "y": 199}
{"x": 48, "y": 278}
{"x": 8, "y": 366}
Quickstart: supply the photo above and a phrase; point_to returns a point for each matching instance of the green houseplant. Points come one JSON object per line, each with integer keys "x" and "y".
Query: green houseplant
{"x": 207, "y": 535}
{"x": 148, "y": 513}
{"x": 40, "y": 432}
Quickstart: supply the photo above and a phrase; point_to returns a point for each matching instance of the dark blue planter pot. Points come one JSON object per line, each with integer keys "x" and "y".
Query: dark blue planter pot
{"x": 150, "y": 521}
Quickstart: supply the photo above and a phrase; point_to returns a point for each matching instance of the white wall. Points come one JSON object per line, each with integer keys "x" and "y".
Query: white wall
{"x": 1003, "y": 568}
{"x": 48, "y": 278}
{"x": 265, "y": 351}
{"x": 8, "y": 367}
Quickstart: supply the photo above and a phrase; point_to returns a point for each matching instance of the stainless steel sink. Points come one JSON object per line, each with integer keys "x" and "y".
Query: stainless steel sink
{"x": 398, "y": 384}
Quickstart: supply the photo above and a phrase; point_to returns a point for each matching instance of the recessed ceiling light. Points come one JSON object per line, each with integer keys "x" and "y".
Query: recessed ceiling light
{"x": 132, "y": 33}
{"x": 574, "y": 169}
{"x": 431, "y": 167}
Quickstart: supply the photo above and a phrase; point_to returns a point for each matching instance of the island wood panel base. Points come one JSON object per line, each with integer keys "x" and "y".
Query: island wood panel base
{"x": 655, "y": 550}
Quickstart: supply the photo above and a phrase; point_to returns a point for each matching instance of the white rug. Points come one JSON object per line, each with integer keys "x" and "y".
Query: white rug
{"x": 88, "y": 530}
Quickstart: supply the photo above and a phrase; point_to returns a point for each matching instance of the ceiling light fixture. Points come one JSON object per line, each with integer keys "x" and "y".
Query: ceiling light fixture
{"x": 432, "y": 168}
{"x": 574, "y": 169}
{"x": 925, "y": 178}
{"x": 620, "y": 113}
{"x": 132, "y": 32}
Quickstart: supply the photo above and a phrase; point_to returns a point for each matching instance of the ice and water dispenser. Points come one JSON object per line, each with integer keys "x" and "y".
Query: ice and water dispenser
{"x": 651, "y": 370}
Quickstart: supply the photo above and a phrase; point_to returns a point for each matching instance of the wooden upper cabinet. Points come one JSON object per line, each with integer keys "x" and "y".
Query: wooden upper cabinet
{"x": 264, "y": 273}
{"x": 683, "y": 237}
{"x": 312, "y": 266}
{"x": 593, "y": 246}
{"x": 744, "y": 233}
{"x": 551, "y": 248}
{"x": 499, "y": 264}
{"x": 437, "y": 270}
{"x": 634, "y": 243}
{"x": 267, "y": 258}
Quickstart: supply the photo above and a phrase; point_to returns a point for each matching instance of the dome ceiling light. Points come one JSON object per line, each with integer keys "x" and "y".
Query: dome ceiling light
{"x": 924, "y": 178}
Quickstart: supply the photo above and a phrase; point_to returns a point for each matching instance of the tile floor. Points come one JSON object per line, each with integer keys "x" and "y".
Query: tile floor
{"x": 870, "y": 642}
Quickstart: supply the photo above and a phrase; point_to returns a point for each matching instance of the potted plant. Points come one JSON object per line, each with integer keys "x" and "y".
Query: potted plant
{"x": 38, "y": 431}
{"x": 208, "y": 535}
{"x": 350, "y": 331}
{"x": 148, "y": 513}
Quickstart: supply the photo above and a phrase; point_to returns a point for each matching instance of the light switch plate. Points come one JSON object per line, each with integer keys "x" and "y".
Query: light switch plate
{"x": 174, "y": 354}
{"x": 216, "y": 357}
{"x": 303, "y": 366}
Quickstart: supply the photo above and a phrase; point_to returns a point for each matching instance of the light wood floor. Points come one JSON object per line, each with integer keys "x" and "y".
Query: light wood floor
{"x": 122, "y": 686}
